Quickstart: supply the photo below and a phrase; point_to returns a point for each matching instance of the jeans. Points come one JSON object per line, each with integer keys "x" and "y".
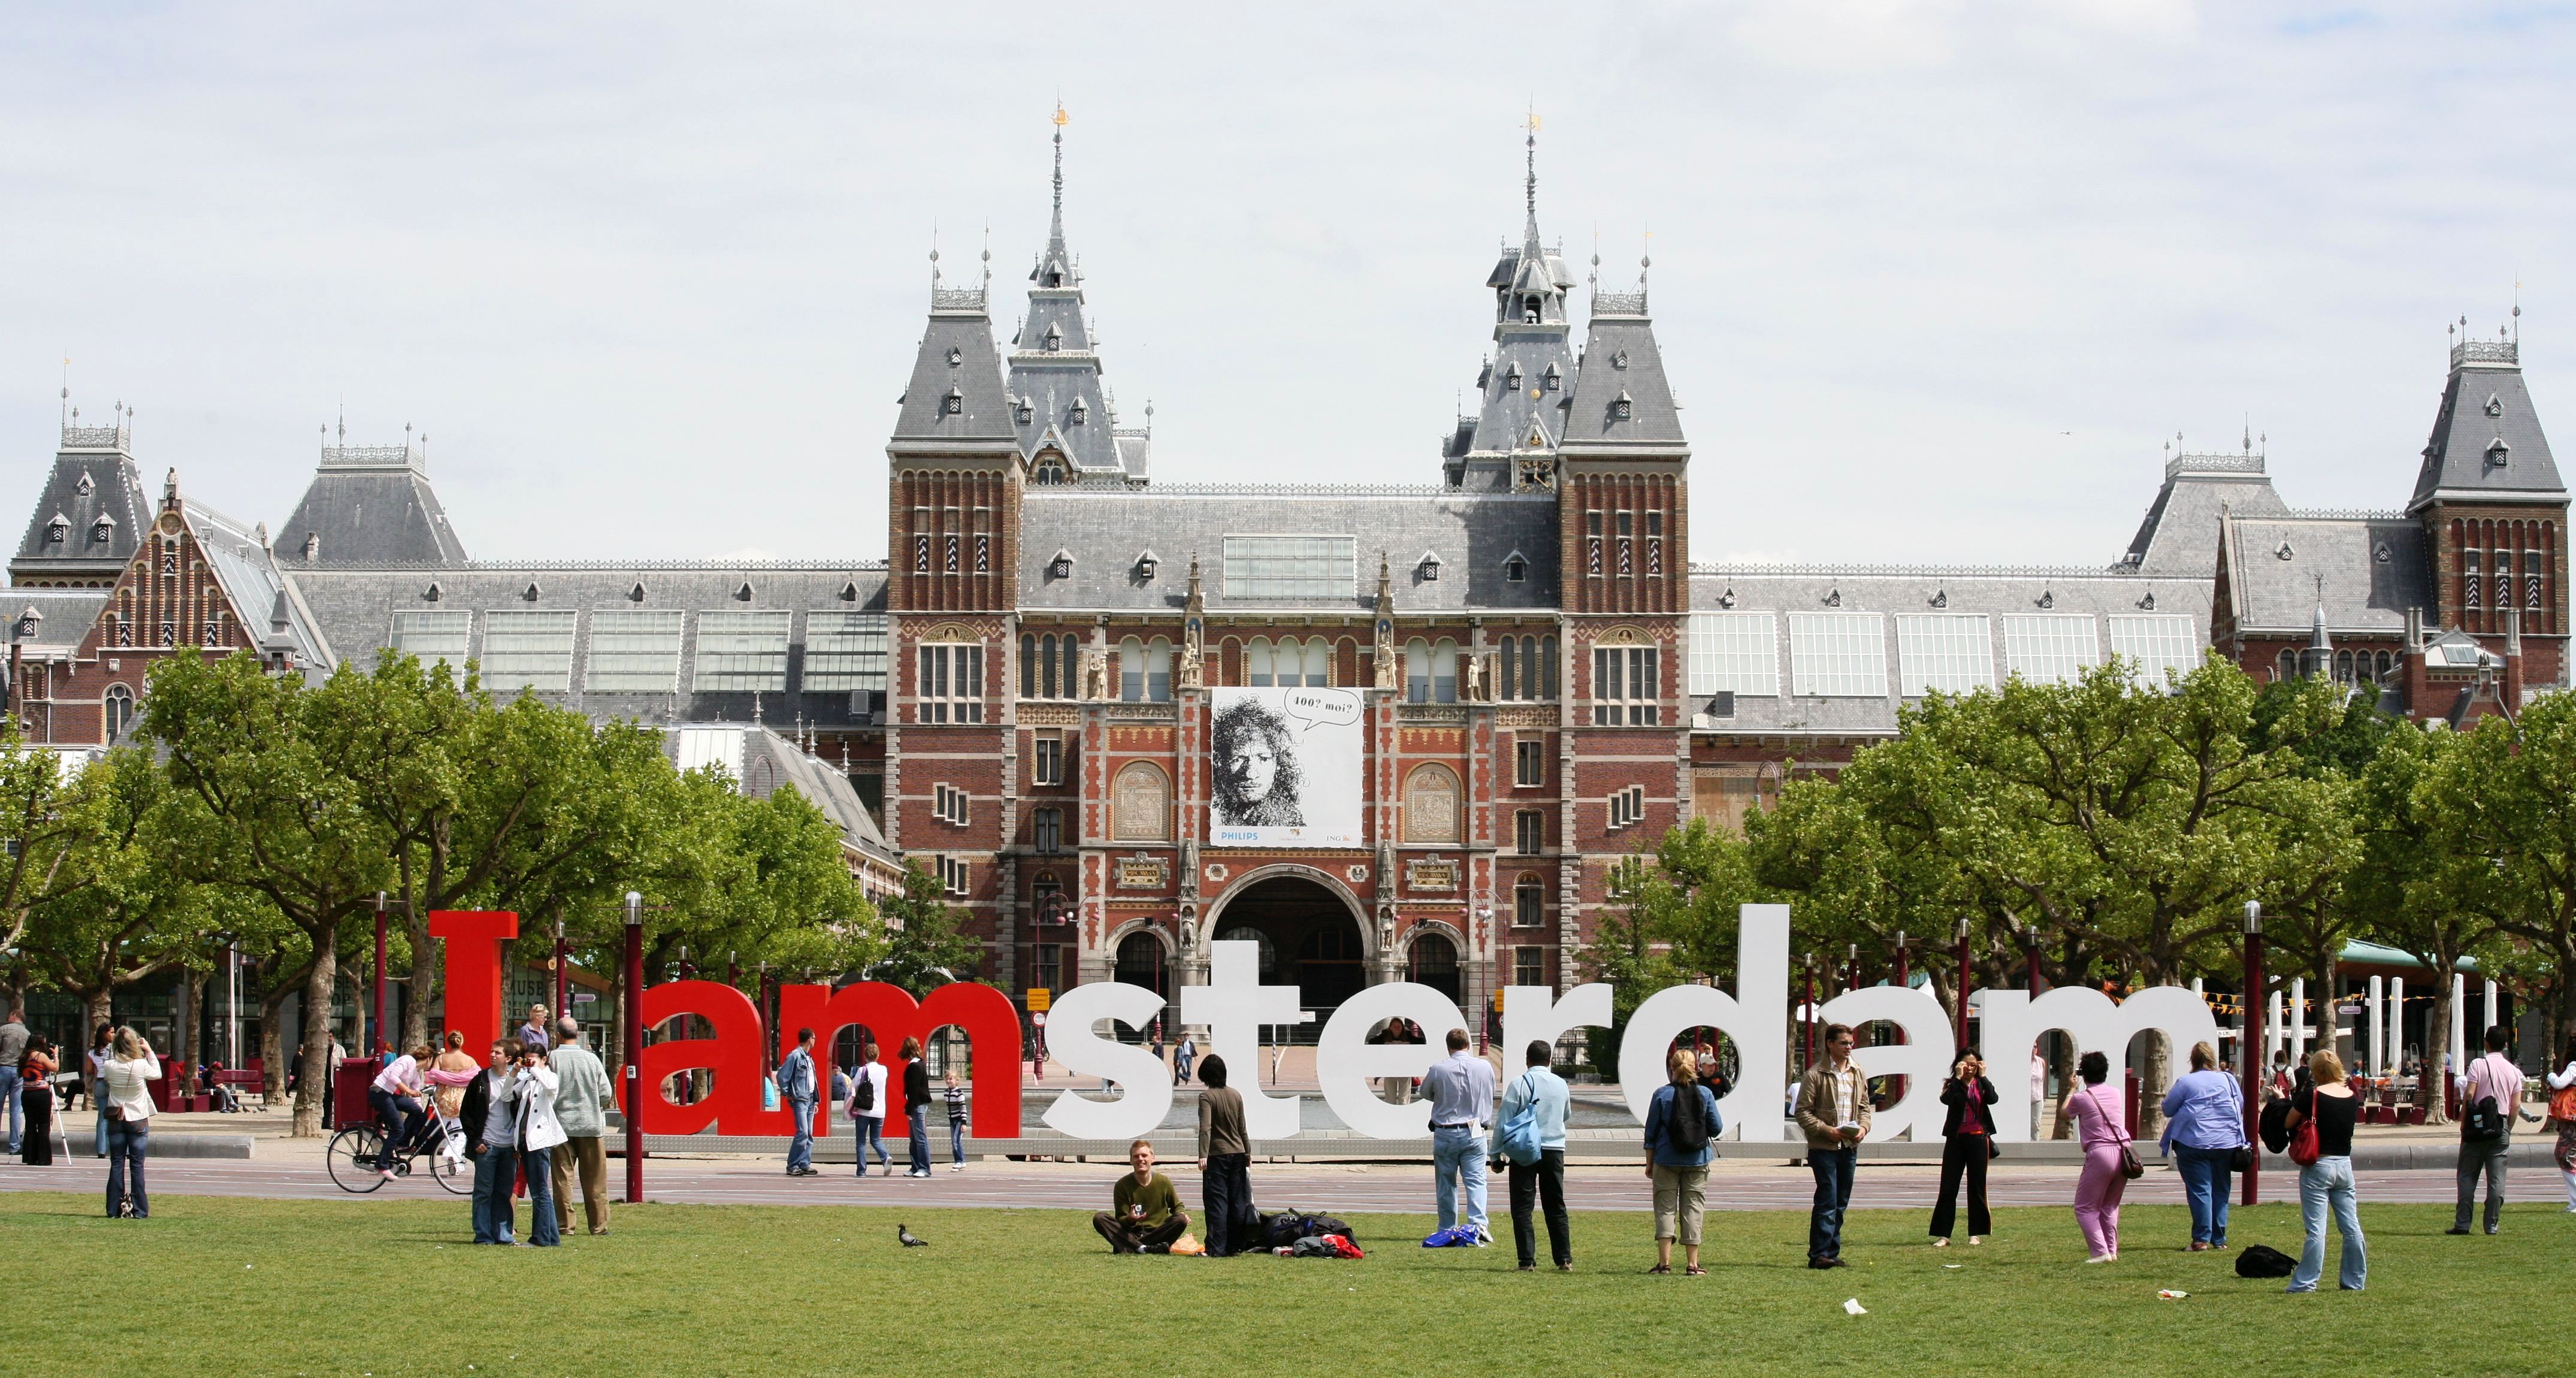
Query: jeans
{"x": 869, "y": 1131}
{"x": 957, "y": 1138}
{"x": 1833, "y": 1171}
{"x": 917, "y": 1119}
{"x": 1542, "y": 1182}
{"x": 1181, "y": 1068}
{"x": 126, "y": 1145}
{"x": 2328, "y": 1181}
{"x": 1226, "y": 1192}
{"x": 493, "y": 1183}
{"x": 800, "y": 1150}
{"x": 542, "y": 1230}
{"x": 1963, "y": 1162}
{"x": 401, "y": 1117}
{"x": 2207, "y": 1174}
{"x": 9, "y": 1085}
{"x": 1456, "y": 1153}
{"x": 2482, "y": 1157}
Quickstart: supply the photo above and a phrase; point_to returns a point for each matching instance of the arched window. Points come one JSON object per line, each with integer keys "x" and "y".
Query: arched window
{"x": 1158, "y": 670}
{"x": 119, "y": 711}
{"x": 1529, "y": 901}
{"x": 1258, "y": 667}
{"x": 1444, "y": 671}
{"x": 2289, "y": 668}
{"x": 1131, "y": 670}
{"x": 1029, "y": 664}
{"x": 1435, "y": 963}
{"x": 1319, "y": 662}
{"x": 2343, "y": 667}
{"x": 1431, "y": 805}
{"x": 2384, "y": 663}
{"x": 1417, "y": 671}
{"x": 1140, "y": 962}
{"x": 1141, "y": 804}
{"x": 1047, "y": 678}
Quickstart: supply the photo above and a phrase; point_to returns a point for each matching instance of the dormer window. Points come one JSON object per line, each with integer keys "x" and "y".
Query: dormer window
{"x": 1079, "y": 413}
{"x": 1625, "y": 407}
{"x": 1553, "y": 380}
{"x": 954, "y": 403}
{"x": 58, "y": 530}
{"x": 86, "y": 485}
{"x": 1619, "y": 360}
{"x": 1048, "y": 470}
{"x": 2285, "y": 552}
{"x": 956, "y": 356}
{"x": 1940, "y": 598}
{"x": 2498, "y": 452}
{"x": 1429, "y": 567}
{"x": 430, "y": 594}
{"x": 1145, "y": 566}
{"x": 1512, "y": 379}
{"x": 1024, "y": 409}
{"x": 101, "y": 529}
{"x": 312, "y": 546}
{"x": 1515, "y": 569}
{"x": 1061, "y": 567}
{"x": 1054, "y": 337}
{"x": 635, "y": 592}
{"x": 2495, "y": 405}
{"x": 532, "y": 593}
{"x": 743, "y": 594}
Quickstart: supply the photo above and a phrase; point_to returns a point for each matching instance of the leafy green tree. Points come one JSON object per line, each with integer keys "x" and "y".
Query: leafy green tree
{"x": 1628, "y": 950}
{"x": 127, "y": 912}
{"x": 926, "y": 945}
{"x": 2504, "y": 796}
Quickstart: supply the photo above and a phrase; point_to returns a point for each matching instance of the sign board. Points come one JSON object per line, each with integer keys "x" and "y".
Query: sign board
{"x": 1286, "y": 767}
{"x": 1040, "y": 999}
{"x": 585, "y": 997}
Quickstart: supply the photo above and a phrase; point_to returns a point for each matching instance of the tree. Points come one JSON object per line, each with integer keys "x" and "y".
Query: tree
{"x": 2504, "y": 798}
{"x": 262, "y": 811}
{"x": 1627, "y": 953}
{"x": 126, "y": 909}
{"x": 925, "y": 946}
{"x": 33, "y": 786}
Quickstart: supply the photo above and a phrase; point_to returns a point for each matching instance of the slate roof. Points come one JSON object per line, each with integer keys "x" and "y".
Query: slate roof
{"x": 762, "y": 762}
{"x": 271, "y": 611}
{"x": 93, "y": 477}
{"x": 2487, "y": 443}
{"x": 2180, "y": 532}
{"x": 956, "y": 359}
{"x": 1622, "y": 364}
{"x": 1526, "y": 382}
{"x": 1105, "y": 531}
{"x": 1996, "y": 592}
{"x": 52, "y": 622}
{"x": 369, "y": 507}
{"x": 2374, "y": 568}
{"x": 356, "y": 609}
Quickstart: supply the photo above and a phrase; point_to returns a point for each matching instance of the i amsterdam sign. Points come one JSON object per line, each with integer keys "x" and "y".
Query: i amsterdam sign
{"x": 1234, "y": 1006}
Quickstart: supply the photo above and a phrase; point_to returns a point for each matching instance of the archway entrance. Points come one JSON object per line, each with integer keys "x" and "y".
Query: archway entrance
{"x": 1309, "y": 938}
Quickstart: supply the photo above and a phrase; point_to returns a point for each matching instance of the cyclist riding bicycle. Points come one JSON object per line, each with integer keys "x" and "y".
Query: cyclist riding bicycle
{"x": 395, "y": 1097}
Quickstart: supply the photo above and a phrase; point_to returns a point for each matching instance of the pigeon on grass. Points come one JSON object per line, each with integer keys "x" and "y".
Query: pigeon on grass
{"x": 910, "y": 1240}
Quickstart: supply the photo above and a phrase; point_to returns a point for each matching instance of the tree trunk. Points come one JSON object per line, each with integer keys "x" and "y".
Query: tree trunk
{"x": 2061, "y": 1064}
{"x": 101, "y": 1005}
{"x": 2151, "y": 1085}
{"x": 315, "y": 1064}
{"x": 2430, "y": 1090}
{"x": 192, "y": 1018}
{"x": 421, "y": 986}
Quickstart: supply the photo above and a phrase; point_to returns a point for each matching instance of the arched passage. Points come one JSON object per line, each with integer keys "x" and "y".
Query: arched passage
{"x": 1311, "y": 936}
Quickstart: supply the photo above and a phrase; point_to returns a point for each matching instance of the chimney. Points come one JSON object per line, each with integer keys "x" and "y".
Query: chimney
{"x": 2410, "y": 665}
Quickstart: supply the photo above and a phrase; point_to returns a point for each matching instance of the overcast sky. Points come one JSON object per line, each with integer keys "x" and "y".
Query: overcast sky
{"x": 1935, "y": 279}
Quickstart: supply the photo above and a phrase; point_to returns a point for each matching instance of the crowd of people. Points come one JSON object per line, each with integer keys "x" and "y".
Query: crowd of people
{"x": 865, "y": 1095}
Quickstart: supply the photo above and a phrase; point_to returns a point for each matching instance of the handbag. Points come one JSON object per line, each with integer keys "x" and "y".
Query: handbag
{"x": 2130, "y": 1167}
{"x": 1518, "y": 1140}
{"x": 2562, "y": 1104}
{"x": 2303, "y": 1140}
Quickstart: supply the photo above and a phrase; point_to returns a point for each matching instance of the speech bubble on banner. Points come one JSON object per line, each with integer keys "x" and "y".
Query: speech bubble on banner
{"x": 1321, "y": 707}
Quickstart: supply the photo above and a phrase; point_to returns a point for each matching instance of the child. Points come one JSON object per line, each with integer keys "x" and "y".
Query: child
{"x": 956, "y": 1095}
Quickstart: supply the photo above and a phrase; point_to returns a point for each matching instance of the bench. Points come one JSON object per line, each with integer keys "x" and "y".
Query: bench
{"x": 242, "y": 1081}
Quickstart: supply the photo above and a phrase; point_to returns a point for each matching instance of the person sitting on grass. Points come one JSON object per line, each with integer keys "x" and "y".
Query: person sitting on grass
{"x": 1145, "y": 1215}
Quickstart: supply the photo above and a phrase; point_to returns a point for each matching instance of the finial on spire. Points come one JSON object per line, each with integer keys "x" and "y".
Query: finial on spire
{"x": 1529, "y": 183}
{"x": 1055, "y": 229}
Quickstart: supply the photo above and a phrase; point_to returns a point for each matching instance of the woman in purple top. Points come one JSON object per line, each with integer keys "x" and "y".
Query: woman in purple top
{"x": 2104, "y": 1128}
{"x": 2204, "y": 1126}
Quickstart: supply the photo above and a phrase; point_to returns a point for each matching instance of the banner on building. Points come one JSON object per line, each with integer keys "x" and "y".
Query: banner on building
{"x": 1286, "y": 768}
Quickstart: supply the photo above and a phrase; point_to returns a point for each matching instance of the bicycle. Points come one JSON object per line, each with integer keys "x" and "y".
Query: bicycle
{"x": 355, "y": 1152}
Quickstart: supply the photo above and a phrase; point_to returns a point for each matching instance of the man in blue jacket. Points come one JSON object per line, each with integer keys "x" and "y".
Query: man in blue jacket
{"x": 796, "y": 1087}
{"x": 1544, "y": 1094}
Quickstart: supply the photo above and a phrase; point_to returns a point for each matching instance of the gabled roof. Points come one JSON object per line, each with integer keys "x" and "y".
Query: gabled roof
{"x": 1623, "y": 369}
{"x": 370, "y": 507}
{"x": 2373, "y": 569}
{"x": 2487, "y": 443}
{"x": 275, "y": 617}
{"x": 761, "y": 762}
{"x": 2180, "y": 533}
{"x": 93, "y": 477}
{"x": 956, "y": 360}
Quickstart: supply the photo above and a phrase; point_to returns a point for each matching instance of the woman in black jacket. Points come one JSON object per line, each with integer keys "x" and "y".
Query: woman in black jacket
{"x": 1967, "y": 1141}
{"x": 916, "y": 1106}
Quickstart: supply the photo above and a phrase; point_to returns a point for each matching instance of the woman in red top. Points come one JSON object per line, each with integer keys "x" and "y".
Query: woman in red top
{"x": 1967, "y": 1139}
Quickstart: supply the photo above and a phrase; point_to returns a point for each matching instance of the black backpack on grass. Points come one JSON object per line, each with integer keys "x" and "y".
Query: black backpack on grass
{"x": 2264, "y": 1261}
{"x": 1287, "y": 1227}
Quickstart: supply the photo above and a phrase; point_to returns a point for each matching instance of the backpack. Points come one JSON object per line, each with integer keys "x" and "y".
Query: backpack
{"x": 1324, "y": 1246}
{"x": 2264, "y": 1261}
{"x": 1518, "y": 1139}
{"x": 1685, "y": 1128}
{"x": 1287, "y": 1227}
{"x": 863, "y": 1097}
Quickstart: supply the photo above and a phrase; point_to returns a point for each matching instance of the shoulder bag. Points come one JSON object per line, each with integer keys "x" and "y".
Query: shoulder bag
{"x": 2130, "y": 1167}
{"x": 1518, "y": 1140}
{"x": 2303, "y": 1140}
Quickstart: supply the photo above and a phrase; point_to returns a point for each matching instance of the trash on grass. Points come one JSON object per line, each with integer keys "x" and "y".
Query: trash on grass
{"x": 2169, "y": 1294}
{"x": 1852, "y": 1307}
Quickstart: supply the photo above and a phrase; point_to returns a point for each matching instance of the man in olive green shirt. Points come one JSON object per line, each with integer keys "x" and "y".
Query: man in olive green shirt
{"x": 1146, "y": 1215}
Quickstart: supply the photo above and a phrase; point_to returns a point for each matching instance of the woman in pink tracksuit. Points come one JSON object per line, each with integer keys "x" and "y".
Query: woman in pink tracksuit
{"x": 2099, "y": 1116}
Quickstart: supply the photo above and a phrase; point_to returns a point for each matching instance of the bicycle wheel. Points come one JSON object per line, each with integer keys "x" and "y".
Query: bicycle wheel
{"x": 454, "y": 1173}
{"x": 352, "y": 1158}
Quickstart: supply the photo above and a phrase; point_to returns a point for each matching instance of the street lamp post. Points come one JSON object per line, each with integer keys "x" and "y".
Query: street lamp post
{"x": 561, "y": 1009}
{"x": 1808, "y": 1015}
{"x": 2249, "y": 1040}
{"x": 384, "y": 1046}
{"x": 634, "y": 1047}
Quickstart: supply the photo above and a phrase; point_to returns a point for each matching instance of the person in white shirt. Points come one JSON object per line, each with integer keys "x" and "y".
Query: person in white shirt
{"x": 2492, "y": 1076}
{"x": 2562, "y": 1112}
{"x": 395, "y": 1097}
{"x": 126, "y": 1099}
{"x": 868, "y": 1110}
{"x": 532, "y": 1099}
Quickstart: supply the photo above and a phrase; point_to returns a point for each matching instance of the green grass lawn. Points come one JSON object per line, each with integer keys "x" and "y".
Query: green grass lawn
{"x": 234, "y": 1286}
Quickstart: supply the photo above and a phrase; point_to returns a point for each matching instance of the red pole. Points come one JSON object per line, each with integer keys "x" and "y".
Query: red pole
{"x": 634, "y": 1047}
{"x": 383, "y": 1044}
{"x": 2250, "y": 1051}
{"x": 1963, "y": 984}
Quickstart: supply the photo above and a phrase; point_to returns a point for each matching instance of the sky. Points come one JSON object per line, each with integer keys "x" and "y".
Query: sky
{"x": 1936, "y": 280}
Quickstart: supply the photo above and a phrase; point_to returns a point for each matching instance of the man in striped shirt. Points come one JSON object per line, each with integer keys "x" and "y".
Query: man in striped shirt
{"x": 2491, "y": 1076}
